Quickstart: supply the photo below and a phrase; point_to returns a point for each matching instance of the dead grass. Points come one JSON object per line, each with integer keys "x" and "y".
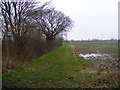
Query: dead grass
{"x": 89, "y": 70}
{"x": 9, "y": 64}
{"x": 75, "y": 53}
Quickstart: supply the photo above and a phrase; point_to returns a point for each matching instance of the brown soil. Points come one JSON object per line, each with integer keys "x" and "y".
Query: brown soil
{"x": 89, "y": 69}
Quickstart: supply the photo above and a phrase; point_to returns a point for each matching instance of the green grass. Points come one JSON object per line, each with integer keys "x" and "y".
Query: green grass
{"x": 109, "y": 43}
{"x": 58, "y": 69}
{"x": 109, "y": 47}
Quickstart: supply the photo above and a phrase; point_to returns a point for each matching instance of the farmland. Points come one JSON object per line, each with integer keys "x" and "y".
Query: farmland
{"x": 107, "y": 63}
{"x": 63, "y": 68}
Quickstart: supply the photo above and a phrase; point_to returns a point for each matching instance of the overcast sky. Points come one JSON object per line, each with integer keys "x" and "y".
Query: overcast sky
{"x": 92, "y": 18}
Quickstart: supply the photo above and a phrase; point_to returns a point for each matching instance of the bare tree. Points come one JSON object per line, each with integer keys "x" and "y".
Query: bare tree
{"x": 16, "y": 26}
{"x": 53, "y": 23}
{"x": 15, "y": 14}
{"x": 27, "y": 28}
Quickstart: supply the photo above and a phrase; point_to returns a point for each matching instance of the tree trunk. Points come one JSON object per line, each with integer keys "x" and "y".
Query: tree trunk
{"x": 49, "y": 44}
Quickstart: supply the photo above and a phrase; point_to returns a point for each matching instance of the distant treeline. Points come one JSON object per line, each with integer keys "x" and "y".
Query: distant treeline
{"x": 93, "y": 40}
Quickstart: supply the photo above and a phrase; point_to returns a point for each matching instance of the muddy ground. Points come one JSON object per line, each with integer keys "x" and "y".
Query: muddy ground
{"x": 108, "y": 63}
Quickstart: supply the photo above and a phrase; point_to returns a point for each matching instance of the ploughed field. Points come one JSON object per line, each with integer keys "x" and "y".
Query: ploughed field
{"x": 104, "y": 55}
{"x": 64, "y": 68}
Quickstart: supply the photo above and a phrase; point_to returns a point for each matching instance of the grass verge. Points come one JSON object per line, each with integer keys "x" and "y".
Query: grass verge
{"x": 58, "y": 69}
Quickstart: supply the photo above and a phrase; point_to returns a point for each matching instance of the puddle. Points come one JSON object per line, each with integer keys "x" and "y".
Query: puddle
{"x": 102, "y": 62}
{"x": 94, "y": 55}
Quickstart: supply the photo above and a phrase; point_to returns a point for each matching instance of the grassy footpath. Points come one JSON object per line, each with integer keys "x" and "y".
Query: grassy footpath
{"x": 58, "y": 69}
